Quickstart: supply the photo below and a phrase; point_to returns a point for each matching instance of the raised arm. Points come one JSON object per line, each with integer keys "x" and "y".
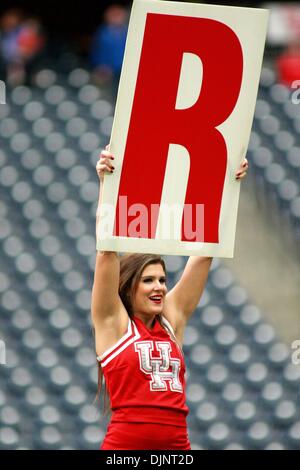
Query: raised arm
{"x": 182, "y": 300}
{"x": 108, "y": 312}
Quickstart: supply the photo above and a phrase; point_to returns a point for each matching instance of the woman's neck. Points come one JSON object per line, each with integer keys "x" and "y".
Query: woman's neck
{"x": 149, "y": 321}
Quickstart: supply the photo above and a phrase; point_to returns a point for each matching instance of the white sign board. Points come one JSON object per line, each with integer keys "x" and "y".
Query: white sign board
{"x": 182, "y": 124}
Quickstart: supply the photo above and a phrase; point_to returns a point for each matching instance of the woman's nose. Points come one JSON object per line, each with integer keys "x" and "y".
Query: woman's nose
{"x": 158, "y": 286}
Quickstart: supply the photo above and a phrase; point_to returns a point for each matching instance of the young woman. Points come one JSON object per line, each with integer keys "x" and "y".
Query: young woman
{"x": 139, "y": 329}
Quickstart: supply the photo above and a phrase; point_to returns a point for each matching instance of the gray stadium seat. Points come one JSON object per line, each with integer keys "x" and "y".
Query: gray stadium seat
{"x": 242, "y": 390}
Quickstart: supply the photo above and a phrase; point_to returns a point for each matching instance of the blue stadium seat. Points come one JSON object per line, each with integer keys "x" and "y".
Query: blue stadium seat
{"x": 217, "y": 375}
{"x": 9, "y": 438}
{"x": 239, "y": 356}
{"x": 78, "y": 78}
{"x": 245, "y": 414}
{"x": 218, "y": 435}
{"x": 257, "y": 375}
{"x": 242, "y": 390}
{"x": 293, "y": 436}
{"x": 201, "y": 356}
{"x": 21, "y": 95}
{"x": 285, "y": 413}
{"x": 206, "y": 413}
{"x": 258, "y": 435}
{"x": 278, "y": 355}
{"x": 271, "y": 394}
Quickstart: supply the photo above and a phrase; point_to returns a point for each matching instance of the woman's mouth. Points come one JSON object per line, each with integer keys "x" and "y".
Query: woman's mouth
{"x": 157, "y": 299}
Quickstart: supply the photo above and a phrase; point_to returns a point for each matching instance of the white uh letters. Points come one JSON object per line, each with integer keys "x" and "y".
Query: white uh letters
{"x": 158, "y": 367}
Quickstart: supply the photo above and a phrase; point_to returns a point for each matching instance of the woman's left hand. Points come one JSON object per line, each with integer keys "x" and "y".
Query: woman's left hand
{"x": 242, "y": 171}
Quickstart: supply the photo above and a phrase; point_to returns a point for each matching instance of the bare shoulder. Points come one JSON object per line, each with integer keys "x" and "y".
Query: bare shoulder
{"x": 111, "y": 329}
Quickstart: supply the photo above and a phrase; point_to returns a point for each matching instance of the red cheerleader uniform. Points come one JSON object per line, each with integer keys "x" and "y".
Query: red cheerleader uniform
{"x": 144, "y": 374}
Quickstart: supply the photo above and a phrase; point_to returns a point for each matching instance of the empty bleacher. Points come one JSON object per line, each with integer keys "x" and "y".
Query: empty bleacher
{"x": 242, "y": 388}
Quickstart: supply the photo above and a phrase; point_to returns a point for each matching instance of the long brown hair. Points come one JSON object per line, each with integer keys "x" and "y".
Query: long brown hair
{"x": 131, "y": 268}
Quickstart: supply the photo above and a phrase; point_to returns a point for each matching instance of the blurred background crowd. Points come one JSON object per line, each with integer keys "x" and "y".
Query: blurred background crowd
{"x": 26, "y": 46}
{"x": 61, "y": 67}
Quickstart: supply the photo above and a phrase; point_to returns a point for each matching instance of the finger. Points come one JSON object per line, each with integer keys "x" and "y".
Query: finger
{"x": 240, "y": 176}
{"x": 105, "y": 165}
{"x": 242, "y": 168}
{"x": 109, "y": 168}
{"x": 106, "y": 154}
{"x": 102, "y": 167}
{"x": 245, "y": 164}
{"x": 106, "y": 161}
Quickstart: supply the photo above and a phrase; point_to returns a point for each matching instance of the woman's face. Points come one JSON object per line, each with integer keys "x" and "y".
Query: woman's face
{"x": 151, "y": 291}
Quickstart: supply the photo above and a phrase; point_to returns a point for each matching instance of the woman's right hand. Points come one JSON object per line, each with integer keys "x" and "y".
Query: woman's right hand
{"x": 104, "y": 165}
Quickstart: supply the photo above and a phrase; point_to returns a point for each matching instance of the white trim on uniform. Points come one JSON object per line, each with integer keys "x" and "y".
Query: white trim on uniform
{"x": 120, "y": 345}
{"x": 169, "y": 326}
{"x": 165, "y": 321}
{"x": 127, "y": 334}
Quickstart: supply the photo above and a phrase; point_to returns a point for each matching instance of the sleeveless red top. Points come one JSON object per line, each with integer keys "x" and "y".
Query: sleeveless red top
{"x": 144, "y": 374}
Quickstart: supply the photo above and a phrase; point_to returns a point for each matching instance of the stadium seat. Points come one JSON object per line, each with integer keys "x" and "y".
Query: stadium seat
{"x": 242, "y": 390}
